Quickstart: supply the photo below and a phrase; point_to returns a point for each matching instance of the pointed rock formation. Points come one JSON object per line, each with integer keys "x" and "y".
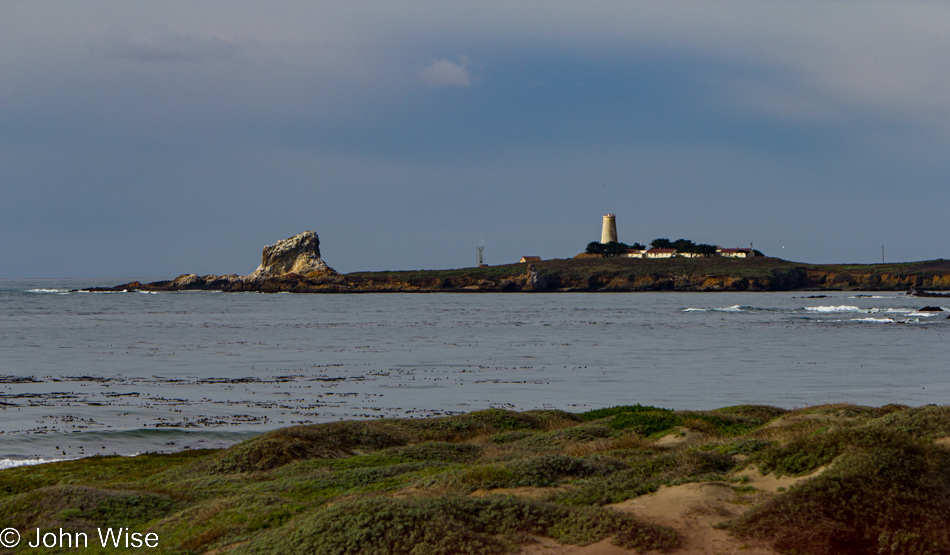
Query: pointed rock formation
{"x": 535, "y": 281}
{"x": 299, "y": 254}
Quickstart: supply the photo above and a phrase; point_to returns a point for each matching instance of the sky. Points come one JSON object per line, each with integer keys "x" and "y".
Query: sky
{"x": 154, "y": 138}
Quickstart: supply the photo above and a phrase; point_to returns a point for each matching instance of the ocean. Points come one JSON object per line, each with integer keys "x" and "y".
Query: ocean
{"x": 123, "y": 373}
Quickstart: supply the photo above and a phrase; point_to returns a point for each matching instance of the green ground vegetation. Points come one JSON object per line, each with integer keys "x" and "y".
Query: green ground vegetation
{"x": 596, "y": 273}
{"x": 455, "y": 484}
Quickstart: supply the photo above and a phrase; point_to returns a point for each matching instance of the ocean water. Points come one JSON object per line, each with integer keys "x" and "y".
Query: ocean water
{"x": 90, "y": 373}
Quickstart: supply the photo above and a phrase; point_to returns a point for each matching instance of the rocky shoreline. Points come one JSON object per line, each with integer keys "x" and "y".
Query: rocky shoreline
{"x": 295, "y": 266}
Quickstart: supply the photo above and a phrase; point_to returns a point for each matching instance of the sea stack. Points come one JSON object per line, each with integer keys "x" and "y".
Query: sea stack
{"x": 299, "y": 254}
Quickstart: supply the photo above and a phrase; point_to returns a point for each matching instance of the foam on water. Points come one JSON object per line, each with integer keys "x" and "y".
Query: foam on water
{"x": 52, "y": 291}
{"x": 834, "y": 309}
{"x": 733, "y": 308}
{"x": 13, "y": 463}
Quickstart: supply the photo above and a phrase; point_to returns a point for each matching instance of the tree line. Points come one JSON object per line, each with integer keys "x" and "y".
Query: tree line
{"x": 615, "y": 248}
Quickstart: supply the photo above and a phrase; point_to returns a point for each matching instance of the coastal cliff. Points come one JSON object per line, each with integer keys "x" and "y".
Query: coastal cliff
{"x": 294, "y": 265}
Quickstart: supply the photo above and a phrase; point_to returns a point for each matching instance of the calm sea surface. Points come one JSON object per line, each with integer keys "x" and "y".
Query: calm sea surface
{"x": 84, "y": 373}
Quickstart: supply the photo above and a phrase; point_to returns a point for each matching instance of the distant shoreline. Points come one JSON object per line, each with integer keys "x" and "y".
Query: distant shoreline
{"x": 589, "y": 275}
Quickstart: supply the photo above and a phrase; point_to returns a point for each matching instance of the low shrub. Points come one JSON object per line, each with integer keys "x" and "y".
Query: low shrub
{"x": 83, "y": 508}
{"x": 598, "y": 414}
{"x": 510, "y": 437}
{"x": 453, "y": 525}
{"x": 546, "y": 471}
{"x": 645, "y": 473}
{"x": 888, "y": 493}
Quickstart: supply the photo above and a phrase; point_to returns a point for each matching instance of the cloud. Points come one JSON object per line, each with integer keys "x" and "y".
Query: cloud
{"x": 167, "y": 48}
{"x": 441, "y": 74}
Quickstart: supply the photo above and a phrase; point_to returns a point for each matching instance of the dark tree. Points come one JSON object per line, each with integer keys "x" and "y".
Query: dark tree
{"x": 684, "y": 245}
{"x": 705, "y": 250}
{"x": 661, "y": 244}
{"x": 595, "y": 247}
{"x": 606, "y": 250}
{"x": 614, "y": 248}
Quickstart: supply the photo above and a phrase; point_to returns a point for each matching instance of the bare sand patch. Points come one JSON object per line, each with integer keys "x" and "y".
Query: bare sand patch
{"x": 690, "y": 509}
{"x": 671, "y": 502}
{"x": 771, "y": 483}
{"x": 682, "y": 437}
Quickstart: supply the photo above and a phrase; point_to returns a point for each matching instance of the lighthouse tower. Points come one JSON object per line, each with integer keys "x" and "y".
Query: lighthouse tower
{"x": 609, "y": 232}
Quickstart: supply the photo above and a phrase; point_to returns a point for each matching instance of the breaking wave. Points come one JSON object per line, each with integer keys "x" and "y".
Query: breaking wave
{"x": 733, "y": 308}
{"x": 13, "y": 463}
{"x": 834, "y": 309}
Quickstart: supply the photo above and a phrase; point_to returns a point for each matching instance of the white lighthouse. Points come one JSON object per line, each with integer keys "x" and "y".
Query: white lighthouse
{"x": 609, "y": 232}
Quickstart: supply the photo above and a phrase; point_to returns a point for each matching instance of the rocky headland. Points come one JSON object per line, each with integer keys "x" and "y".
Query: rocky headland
{"x": 295, "y": 265}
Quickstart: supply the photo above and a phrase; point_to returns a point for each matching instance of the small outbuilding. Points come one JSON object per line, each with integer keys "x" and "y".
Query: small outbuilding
{"x": 530, "y": 259}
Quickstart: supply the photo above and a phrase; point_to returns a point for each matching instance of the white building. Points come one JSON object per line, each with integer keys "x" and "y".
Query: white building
{"x": 660, "y": 253}
{"x": 735, "y": 253}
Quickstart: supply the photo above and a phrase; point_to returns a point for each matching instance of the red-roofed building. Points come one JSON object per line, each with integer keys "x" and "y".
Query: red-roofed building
{"x": 660, "y": 253}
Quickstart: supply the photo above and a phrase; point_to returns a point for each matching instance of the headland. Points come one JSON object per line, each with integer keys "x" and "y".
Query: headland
{"x": 294, "y": 265}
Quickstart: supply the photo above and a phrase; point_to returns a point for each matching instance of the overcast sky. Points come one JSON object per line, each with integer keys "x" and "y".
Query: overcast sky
{"x": 154, "y": 138}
